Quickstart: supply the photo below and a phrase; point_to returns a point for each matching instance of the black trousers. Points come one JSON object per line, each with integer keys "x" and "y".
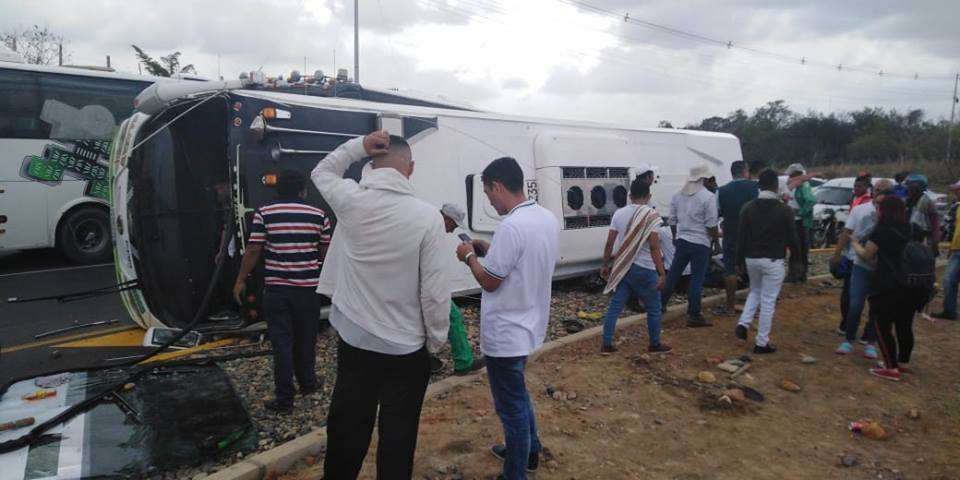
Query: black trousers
{"x": 366, "y": 381}
{"x": 844, "y": 302}
{"x": 803, "y": 235}
{"x": 895, "y": 310}
{"x": 293, "y": 319}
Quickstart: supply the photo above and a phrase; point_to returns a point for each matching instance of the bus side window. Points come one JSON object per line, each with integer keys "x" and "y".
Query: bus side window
{"x": 86, "y": 108}
{"x": 20, "y": 105}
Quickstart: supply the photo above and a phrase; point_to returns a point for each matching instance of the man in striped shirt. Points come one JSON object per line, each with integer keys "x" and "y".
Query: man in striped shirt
{"x": 295, "y": 236}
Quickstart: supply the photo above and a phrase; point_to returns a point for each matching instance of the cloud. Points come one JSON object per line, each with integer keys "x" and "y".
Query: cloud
{"x": 545, "y": 57}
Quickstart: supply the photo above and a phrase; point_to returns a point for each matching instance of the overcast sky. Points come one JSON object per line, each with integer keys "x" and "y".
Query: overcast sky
{"x": 552, "y": 58}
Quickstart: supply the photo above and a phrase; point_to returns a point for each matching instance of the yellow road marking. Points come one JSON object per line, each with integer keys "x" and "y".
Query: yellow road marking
{"x": 189, "y": 351}
{"x": 68, "y": 338}
{"x": 126, "y": 338}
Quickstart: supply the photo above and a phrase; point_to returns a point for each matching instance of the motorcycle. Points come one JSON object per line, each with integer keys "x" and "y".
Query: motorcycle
{"x": 826, "y": 229}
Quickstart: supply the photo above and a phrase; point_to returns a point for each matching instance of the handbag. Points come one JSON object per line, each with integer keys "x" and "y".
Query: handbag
{"x": 841, "y": 269}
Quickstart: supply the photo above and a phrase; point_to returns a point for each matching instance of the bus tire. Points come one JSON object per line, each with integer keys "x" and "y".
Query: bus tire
{"x": 83, "y": 235}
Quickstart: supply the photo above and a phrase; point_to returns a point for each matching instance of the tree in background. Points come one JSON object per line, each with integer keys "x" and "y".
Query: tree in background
{"x": 38, "y": 46}
{"x": 779, "y": 136}
{"x": 164, "y": 67}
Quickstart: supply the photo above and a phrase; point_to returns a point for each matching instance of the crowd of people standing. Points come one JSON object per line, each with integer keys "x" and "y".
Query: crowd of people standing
{"x": 885, "y": 256}
{"x": 392, "y": 311}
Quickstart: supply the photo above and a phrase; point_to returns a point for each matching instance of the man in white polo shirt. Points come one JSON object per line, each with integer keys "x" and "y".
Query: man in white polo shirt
{"x": 515, "y": 276}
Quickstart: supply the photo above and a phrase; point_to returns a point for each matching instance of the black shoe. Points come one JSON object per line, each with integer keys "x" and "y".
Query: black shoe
{"x": 607, "y": 349}
{"x": 436, "y": 365}
{"x": 477, "y": 364}
{"x": 768, "y": 348}
{"x": 500, "y": 452}
{"x": 740, "y": 332}
{"x": 696, "y": 320}
{"x": 659, "y": 348}
{"x": 943, "y": 316}
{"x": 312, "y": 388}
{"x": 276, "y": 406}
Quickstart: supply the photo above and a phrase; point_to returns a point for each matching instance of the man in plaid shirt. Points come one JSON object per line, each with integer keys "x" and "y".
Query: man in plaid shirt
{"x": 295, "y": 237}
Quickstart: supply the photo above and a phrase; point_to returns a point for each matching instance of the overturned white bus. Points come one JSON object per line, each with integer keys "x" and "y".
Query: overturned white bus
{"x": 194, "y": 164}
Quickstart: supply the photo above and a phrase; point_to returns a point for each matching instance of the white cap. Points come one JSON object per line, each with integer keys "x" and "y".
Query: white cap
{"x": 454, "y": 212}
{"x": 796, "y": 168}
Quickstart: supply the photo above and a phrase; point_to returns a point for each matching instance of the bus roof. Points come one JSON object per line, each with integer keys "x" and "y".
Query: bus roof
{"x": 354, "y": 104}
{"x": 89, "y": 72}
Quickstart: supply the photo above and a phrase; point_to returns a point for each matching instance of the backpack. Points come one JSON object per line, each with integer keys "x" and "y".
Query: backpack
{"x": 917, "y": 268}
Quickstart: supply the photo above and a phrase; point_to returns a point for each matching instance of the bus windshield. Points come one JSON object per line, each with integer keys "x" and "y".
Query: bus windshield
{"x": 179, "y": 200}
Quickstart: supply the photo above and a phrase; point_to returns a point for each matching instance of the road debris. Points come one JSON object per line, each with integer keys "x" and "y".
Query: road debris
{"x": 789, "y": 386}
{"x": 23, "y": 422}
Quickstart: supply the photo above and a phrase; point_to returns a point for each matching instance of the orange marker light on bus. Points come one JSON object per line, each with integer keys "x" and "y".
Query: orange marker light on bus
{"x": 269, "y": 179}
{"x": 269, "y": 113}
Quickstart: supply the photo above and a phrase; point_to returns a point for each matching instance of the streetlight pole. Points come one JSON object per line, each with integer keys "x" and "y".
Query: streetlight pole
{"x": 953, "y": 109}
{"x": 356, "y": 42}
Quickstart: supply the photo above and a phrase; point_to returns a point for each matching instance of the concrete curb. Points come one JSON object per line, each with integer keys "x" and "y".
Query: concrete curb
{"x": 280, "y": 458}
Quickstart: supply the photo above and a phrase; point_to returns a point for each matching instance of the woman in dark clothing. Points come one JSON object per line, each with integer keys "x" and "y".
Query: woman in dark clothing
{"x": 895, "y": 304}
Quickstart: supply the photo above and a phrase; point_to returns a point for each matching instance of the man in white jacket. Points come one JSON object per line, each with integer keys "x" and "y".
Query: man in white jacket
{"x": 391, "y": 304}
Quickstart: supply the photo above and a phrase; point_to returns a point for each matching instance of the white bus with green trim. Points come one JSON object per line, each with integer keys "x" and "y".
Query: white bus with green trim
{"x": 56, "y": 127}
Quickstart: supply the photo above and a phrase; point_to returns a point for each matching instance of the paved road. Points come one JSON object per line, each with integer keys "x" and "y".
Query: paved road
{"x": 42, "y": 273}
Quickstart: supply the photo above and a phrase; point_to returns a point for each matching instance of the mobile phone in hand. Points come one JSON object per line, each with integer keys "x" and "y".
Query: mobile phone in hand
{"x": 464, "y": 237}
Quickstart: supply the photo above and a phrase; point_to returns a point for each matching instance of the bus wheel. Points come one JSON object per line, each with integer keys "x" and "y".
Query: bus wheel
{"x": 84, "y": 235}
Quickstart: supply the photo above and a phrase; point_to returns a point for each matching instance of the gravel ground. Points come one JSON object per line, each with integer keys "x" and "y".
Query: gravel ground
{"x": 253, "y": 377}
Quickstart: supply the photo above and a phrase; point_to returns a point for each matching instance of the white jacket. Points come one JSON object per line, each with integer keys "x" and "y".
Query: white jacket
{"x": 384, "y": 270}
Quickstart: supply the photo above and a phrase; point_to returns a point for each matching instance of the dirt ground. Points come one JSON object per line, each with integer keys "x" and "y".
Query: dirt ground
{"x": 633, "y": 415}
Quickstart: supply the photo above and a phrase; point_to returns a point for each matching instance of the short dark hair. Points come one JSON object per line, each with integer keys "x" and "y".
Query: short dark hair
{"x": 901, "y": 176}
{"x": 646, "y": 175}
{"x": 505, "y": 170}
{"x": 638, "y": 188}
{"x": 757, "y": 167}
{"x": 398, "y": 141}
{"x": 862, "y": 179}
{"x": 290, "y": 183}
{"x": 891, "y": 211}
{"x": 738, "y": 168}
{"x": 769, "y": 180}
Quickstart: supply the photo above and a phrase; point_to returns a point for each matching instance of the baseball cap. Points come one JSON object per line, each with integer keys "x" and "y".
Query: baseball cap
{"x": 454, "y": 212}
{"x": 795, "y": 168}
{"x": 920, "y": 180}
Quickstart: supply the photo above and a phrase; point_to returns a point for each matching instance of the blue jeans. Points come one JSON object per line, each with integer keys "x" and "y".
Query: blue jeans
{"x": 951, "y": 275}
{"x": 698, "y": 256}
{"x": 515, "y": 409}
{"x": 643, "y": 283}
{"x": 859, "y": 288}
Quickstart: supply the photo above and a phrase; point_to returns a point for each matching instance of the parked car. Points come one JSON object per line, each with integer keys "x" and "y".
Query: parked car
{"x": 830, "y": 212}
{"x": 833, "y": 206}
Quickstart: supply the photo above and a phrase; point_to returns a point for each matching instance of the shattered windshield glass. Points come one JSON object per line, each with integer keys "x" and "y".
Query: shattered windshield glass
{"x": 172, "y": 417}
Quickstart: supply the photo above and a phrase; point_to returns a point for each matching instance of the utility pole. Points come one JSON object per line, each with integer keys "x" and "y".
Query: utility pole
{"x": 953, "y": 110}
{"x": 356, "y": 42}
{"x": 60, "y": 53}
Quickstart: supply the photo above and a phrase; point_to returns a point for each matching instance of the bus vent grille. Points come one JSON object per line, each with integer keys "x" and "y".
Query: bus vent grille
{"x": 599, "y": 220}
{"x": 586, "y": 221}
{"x": 573, "y": 172}
{"x": 573, "y": 223}
{"x": 618, "y": 173}
{"x": 596, "y": 172}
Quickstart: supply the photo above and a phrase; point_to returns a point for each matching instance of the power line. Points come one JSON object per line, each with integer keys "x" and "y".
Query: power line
{"x": 731, "y": 45}
{"x": 734, "y": 84}
{"x": 494, "y": 6}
